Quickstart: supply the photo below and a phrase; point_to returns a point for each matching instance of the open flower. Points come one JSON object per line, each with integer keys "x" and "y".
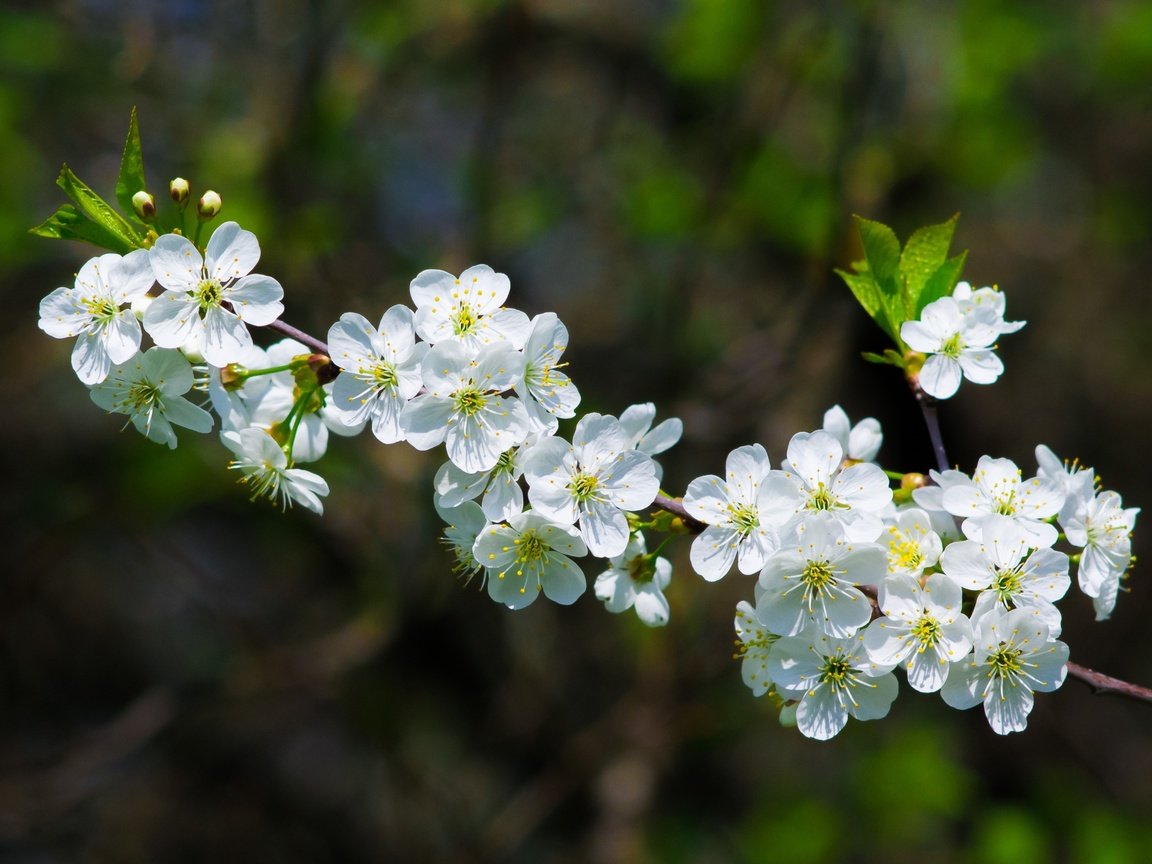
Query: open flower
{"x": 210, "y": 297}
{"x": 530, "y": 555}
{"x": 381, "y": 370}
{"x": 595, "y": 479}
{"x": 467, "y": 309}
{"x": 957, "y": 345}
{"x": 267, "y": 474}
{"x": 1013, "y": 658}
{"x": 636, "y": 580}
{"x": 150, "y": 389}
{"x": 95, "y": 312}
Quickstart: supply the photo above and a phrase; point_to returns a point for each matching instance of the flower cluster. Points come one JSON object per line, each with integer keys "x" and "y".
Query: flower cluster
{"x": 954, "y": 580}
{"x": 955, "y": 583}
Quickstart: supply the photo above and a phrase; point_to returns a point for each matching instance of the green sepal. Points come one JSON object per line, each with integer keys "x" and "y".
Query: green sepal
{"x": 68, "y": 223}
{"x": 888, "y": 358}
{"x": 131, "y": 178}
{"x": 99, "y": 211}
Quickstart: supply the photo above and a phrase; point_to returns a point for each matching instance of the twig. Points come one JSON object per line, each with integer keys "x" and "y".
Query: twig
{"x": 928, "y": 408}
{"x": 300, "y": 336}
{"x": 1101, "y": 683}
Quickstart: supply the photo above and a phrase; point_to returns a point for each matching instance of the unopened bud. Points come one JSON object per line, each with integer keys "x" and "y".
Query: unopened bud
{"x": 209, "y": 205}
{"x": 179, "y": 190}
{"x": 144, "y": 205}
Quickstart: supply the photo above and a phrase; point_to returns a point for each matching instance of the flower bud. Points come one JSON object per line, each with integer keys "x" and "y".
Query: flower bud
{"x": 144, "y": 205}
{"x": 209, "y": 205}
{"x": 179, "y": 189}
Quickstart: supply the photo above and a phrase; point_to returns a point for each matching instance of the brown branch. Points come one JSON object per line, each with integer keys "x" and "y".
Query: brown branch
{"x": 1101, "y": 683}
{"x": 676, "y": 508}
{"x": 299, "y": 335}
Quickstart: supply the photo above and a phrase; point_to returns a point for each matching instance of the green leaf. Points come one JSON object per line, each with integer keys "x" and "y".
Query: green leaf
{"x": 864, "y": 288}
{"x": 941, "y": 282}
{"x": 68, "y": 223}
{"x": 925, "y": 251}
{"x": 98, "y": 210}
{"x": 888, "y": 358}
{"x": 131, "y": 179}
{"x": 882, "y": 250}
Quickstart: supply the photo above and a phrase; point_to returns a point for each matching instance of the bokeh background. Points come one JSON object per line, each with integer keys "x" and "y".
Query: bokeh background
{"x": 185, "y": 676}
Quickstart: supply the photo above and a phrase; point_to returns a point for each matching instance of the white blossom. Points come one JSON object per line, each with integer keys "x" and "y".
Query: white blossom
{"x": 957, "y": 345}
{"x": 95, "y": 312}
{"x": 636, "y": 580}
{"x": 468, "y": 309}
{"x": 530, "y": 555}
{"x": 267, "y": 473}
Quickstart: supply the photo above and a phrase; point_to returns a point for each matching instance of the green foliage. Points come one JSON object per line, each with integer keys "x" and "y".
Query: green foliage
{"x": 90, "y": 218}
{"x": 893, "y": 284}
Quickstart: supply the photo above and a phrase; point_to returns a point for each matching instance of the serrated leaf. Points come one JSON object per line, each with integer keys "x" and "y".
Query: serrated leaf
{"x": 941, "y": 282}
{"x": 131, "y": 178}
{"x": 925, "y": 251}
{"x": 97, "y": 209}
{"x": 864, "y": 288}
{"x": 68, "y": 223}
{"x": 882, "y": 250}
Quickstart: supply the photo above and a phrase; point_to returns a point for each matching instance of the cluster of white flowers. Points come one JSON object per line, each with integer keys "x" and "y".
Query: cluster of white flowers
{"x": 958, "y": 333}
{"x": 955, "y": 583}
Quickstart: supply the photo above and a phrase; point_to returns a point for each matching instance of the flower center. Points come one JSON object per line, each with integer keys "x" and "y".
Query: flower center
{"x": 583, "y": 486}
{"x": 469, "y": 401}
{"x": 926, "y": 631}
{"x": 1007, "y": 583}
{"x": 642, "y": 568}
{"x": 384, "y": 376}
{"x": 904, "y": 554}
{"x": 817, "y": 576}
{"x": 837, "y": 671}
{"x": 208, "y": 293}
{"x": 952, "y": 347}
{"x": 822, "y": 499}
{"x": 744, "y": 519}
{"x": 143, "y": 395}
{"x": 530, "y": 547}
{"x": 463, "y": 320}
{"x": 1004, "y": 662}
{"x": 101, "y": 308}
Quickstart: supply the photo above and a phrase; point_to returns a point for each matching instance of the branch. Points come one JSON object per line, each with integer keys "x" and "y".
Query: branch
{"x": 300, "y": 336}
{"x": 1101, "y": 683}
{"x": 928, "y": 408}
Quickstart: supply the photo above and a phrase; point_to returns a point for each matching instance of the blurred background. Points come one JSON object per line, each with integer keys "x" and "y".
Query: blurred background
{"x": 185, "y": 676}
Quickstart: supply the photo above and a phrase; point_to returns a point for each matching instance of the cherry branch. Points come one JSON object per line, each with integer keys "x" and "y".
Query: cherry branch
{"x": 1098, "y": 681}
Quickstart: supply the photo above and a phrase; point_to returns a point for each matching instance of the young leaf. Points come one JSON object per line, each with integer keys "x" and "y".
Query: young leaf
{"x": 883, "y": 252}
{"x": 131, "y": 179}
{"x": 97, "y": 209}
{"x": 864, "y": 288}
{"x": 925, "y": 251}
{"x": 941, "y": 282}
{"x": 68, "y": 223}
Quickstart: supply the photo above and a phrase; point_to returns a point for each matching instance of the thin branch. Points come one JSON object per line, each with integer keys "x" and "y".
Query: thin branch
{"x": 300, "y": 336}
{"x": 928, "y": 408}
{"x": 1101, "y": 683}
{"x": 674, "y": 507}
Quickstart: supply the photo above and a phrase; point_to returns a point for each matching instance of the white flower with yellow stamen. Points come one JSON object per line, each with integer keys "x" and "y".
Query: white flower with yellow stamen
{"x": 467, "y": 309}
{"x": 211, "y": 297}
{"x": 530, "y": 555}
{"x": 268, "y": 473}
{"x": 462, "y": 406}
{"x": 732, "y": 508}
{"x": 95, "y": 311}
{"x": 548, "y": 393}
{"x": 381, "y": 370}
{"x": 923, "y": 629}
{"x": 1013, "y": 658}
{"x": 913, "y": 546}
{"x": 595, "y": 480}
{"x": 150, "y": 389}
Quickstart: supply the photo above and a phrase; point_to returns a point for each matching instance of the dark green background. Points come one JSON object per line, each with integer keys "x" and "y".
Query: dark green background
{"x": 185, "y": 676}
